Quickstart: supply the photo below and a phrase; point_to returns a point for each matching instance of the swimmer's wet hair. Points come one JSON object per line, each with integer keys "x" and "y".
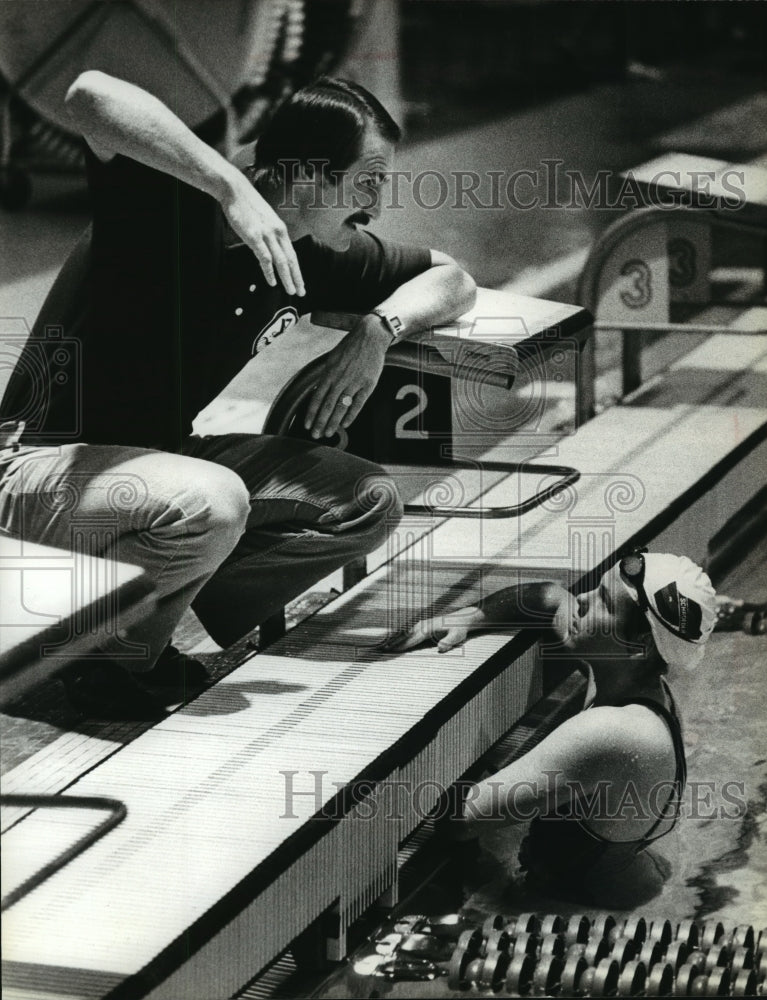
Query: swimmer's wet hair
{"x": 324, "y": 122}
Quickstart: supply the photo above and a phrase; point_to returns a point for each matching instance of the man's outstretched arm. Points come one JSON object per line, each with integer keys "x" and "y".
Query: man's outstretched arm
{"x": 439, "y": 294}
{"x": 116, "y": 117}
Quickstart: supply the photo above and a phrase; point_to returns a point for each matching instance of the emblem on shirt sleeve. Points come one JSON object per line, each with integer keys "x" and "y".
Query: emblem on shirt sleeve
{"x": 282, "y": 320}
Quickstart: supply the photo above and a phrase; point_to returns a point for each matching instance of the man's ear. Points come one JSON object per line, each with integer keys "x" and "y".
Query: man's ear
{"x": 304, "y": 172}
{"x": 305, "y": 185}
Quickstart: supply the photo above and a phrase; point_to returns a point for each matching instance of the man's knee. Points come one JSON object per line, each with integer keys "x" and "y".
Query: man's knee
{"x": 377, "y": 495}
{"x": 372, "y": 510}
{"x": 215, "y": 506}
{"x": 227, "y": 504}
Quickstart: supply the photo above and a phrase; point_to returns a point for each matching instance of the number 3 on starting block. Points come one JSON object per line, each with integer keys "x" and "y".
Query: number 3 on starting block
{"x": 689, "y": 261}
{"x": 660, "y": 264}
{"x": 634, "y": 281}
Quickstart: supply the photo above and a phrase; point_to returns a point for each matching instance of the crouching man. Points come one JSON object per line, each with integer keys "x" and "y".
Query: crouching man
{"x": 189, "y": 269}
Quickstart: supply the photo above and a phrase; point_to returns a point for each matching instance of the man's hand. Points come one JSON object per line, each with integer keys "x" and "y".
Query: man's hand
{"x": 448, "y": 631}
{"x": 115, "y": 116}
{"x": 351, "y": 372}
{"x": 260, "y": 228}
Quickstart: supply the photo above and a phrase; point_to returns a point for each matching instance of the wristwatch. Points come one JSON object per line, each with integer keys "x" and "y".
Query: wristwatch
{"x": 391, "y": 321}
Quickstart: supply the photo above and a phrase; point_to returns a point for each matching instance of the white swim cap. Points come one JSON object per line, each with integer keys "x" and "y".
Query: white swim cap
{"x": 681, "y": 606}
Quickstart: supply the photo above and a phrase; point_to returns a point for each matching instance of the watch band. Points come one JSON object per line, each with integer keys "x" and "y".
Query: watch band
{"x": 391, "y": 321}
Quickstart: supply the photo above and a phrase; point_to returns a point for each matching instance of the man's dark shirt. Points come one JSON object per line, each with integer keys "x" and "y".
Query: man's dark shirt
{"x": 153, "y": 316}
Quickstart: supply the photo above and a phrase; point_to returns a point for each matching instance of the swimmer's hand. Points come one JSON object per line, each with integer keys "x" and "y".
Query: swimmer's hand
{"x": 260, "y": 228}
{"x": 448, "y": 631}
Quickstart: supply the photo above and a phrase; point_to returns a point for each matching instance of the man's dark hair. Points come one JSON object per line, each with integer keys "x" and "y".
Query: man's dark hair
{"x": 325, "y": 123}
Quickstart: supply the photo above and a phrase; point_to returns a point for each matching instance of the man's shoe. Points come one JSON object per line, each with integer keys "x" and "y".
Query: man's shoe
{"x": 176, "y": 670}
{"x": 101, "y": 689}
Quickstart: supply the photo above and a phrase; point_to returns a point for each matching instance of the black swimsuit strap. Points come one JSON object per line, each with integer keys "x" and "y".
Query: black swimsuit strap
{"x": 671, "y": 717}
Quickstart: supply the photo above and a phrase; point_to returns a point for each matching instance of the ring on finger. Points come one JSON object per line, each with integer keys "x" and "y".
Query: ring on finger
{"x": 346, "y": 400}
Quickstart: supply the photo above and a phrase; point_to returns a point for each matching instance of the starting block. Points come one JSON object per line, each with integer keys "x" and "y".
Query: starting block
{"x": 652, "y": 268}
{"x": 415, "y": 414}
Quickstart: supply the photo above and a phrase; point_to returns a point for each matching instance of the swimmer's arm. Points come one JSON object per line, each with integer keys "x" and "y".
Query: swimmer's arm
{"x": 116, "y": 117}
{"x": 582, "y": 756}
{"x": 527, "y": 605}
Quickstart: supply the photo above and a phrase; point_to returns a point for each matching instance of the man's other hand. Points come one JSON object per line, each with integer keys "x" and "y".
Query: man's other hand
{"x": 352, "y": 370}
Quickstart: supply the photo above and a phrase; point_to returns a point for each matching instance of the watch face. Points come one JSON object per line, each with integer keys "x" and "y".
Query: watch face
{"x": 392, "y": 323}
{"x": 385, "y": 321}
